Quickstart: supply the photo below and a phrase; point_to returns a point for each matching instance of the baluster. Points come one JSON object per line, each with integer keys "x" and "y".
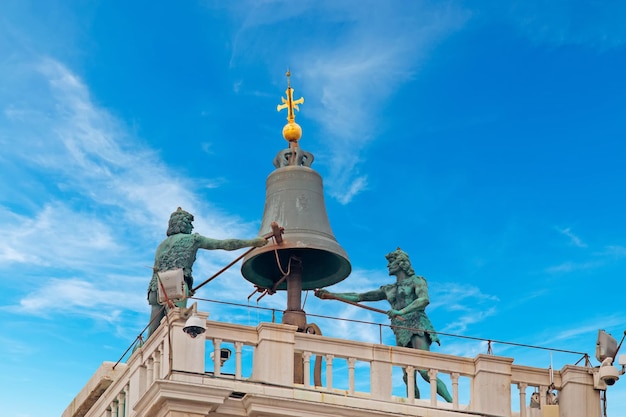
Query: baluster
{"x": 306, "y": 356}
{"x": 126, "y": 399}
{"x": 410, "y": 382}
{"x": 164, "y": 356}
{"x": 114, "y": 408}
{"x": 107, "y": 412}
{"x": 329, "y": 371}
{"x": 542, "y": 394}
{"x": 121, "y": 404}
{"x": 217, "y": 357}
{"x": 351, "y": 362}
{"x": 238, "y": 347}
{"x": 432, "y": 374}
{"x": 157, "y": 364}
{"x": 472, "y": 403}
{"x": 454, "y": 377}
{"x": 522, "y": 398}
{"x": 150, "y": 370}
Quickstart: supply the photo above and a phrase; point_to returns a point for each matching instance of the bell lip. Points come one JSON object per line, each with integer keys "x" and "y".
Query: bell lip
{"x": 256, "y": 270}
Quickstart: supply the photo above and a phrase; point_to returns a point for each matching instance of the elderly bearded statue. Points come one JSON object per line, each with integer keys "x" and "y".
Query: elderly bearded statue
{"x": 179, "y": 250}
{"x": 408, "y": 297}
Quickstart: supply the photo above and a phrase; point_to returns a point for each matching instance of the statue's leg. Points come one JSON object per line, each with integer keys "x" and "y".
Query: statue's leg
{"x": 156, "y": 312}
{"x": 423, "y": 343}
{"x": 442, "y": 390}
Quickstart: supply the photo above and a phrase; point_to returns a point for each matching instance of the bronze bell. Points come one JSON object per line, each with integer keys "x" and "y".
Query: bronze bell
{"x": 307, "y": 255}
{"x": 295, "y": 200}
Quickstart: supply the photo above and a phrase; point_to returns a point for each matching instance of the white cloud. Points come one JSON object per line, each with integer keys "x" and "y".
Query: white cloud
{"x": 615, "y": 251}
{"x": 363, "y": 67}
{"x": 610, "y": 254}
{"x": 352, "y": 59}
{"x": 79, "y": 297}
{"x": 570, "y": 266}
{"x": 575, "y": 240}
{"x": 459, "y": 347}
{"x": 91, "y": 153}
{"x": 587, "y": 326}
{"x": 56, "y": 236}
{"x": 95, "y": 193}
{"x": 468, "y": 304}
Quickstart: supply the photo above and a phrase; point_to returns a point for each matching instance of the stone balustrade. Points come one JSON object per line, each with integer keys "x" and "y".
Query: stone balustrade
{"x": 167, "y": 376}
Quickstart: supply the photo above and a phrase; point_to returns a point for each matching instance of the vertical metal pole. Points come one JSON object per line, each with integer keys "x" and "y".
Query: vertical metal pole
{"x": 294, "y": 287}
{"x": 294, "y": 314}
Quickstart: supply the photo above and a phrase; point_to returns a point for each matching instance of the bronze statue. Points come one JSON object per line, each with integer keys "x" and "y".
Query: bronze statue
{"x": 179, "y": 250}
{"x": 408, "y": 297}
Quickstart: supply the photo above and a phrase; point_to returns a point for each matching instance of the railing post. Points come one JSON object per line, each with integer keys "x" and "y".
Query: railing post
{"x": 380, "y": 373}
{"x": 578, "y": 396}
{"x": 491, "y": 387}
{"x": 272, "y": 362}
{"x": 187, "y": 353}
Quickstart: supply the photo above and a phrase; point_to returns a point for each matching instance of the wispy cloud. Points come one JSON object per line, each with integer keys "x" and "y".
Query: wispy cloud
{"x": 359, "y": 71}
{"x": 354, "y": 61}
{"x": 56, "y": 236}
{"x": 468, "y": 303}
{"x": 104, "y": 193}
{"x": 76, "y": 296}
{"x": 598, "y": 259}
{"x": 615, "y": 251}
{"x": 574, "y": 239}
{"x": 571, "y": 266}
{"x": 93, "y": 154}
{"x": 587, "y": 326}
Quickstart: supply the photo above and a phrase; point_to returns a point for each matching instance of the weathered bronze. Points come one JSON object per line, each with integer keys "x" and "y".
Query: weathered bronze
{"x": 295, "y": 200}
{"x": 179, "y": 250}
{"x": 408, "y": 298}
{"x": 310, "y": 256}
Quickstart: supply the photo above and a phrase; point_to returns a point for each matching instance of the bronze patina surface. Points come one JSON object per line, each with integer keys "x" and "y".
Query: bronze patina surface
{"x": 408, "y": 297}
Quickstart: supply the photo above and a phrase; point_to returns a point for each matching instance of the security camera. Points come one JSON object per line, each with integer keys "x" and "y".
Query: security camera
{"x": 224, "y": 355}
{"x": 608, "y": 373}
{"x": 194, "y": 326}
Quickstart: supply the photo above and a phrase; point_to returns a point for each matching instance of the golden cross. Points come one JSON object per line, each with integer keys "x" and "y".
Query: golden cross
{"x": 289, "y": 103}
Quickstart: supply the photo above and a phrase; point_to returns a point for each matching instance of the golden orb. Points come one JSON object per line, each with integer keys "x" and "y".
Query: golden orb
{"x": 292, "y": 132}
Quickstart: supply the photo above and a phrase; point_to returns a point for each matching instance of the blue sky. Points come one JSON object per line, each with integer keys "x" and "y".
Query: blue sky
{"x": 487, "y": 139}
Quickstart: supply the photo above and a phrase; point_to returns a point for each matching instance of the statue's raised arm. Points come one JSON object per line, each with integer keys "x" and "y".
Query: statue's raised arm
{"x": 408, "y": 297}
{"x": 179, "y": 250}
